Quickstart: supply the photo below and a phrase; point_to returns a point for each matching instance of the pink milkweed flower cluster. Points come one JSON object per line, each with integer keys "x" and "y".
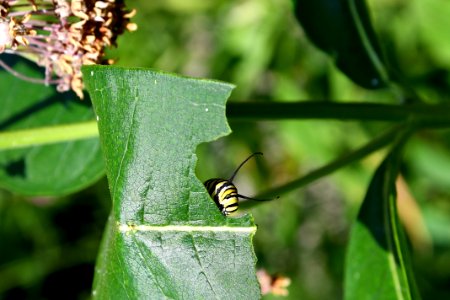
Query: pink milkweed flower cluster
{"x": 62, "y": 35}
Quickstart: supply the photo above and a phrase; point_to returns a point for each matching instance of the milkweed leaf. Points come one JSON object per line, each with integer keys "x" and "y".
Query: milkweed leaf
{"x": 343, "y": 29}
{"x": 44, "y": 170}
{"x": 377, "y": 262}
{"x": 165, "y": 237}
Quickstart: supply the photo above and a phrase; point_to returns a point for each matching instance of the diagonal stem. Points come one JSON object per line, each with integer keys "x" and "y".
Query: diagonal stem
{"x": 374, "y": 145}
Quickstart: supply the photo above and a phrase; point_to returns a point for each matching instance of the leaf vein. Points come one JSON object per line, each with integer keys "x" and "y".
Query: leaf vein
{"x": 122, "y": 159}
{"x": 184, "y": 228}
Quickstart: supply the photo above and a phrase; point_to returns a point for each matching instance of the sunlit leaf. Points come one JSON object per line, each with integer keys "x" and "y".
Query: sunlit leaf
{"x": 165, "y": 237}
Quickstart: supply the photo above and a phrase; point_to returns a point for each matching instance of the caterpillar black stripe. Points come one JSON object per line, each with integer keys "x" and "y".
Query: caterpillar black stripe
{"x": 224, "y": 192}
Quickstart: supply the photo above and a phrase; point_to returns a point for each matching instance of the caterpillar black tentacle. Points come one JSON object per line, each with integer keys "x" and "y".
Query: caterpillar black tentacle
{"x": 224, "y": 192}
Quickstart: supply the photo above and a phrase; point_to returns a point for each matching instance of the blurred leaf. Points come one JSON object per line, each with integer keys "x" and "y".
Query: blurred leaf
{"x": 433, "y": 28}
{"x": 431, "y": 160}
{"x": 343, "y": 30}
{"x": 55, "y": 169}
{"x": 378, "y": 265}
{"x": 438, "y": 223}
{"x": 165, "y": 237}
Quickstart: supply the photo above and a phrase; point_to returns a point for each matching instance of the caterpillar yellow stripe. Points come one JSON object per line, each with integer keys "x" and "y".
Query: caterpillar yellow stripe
{"x": 224, "y": 192}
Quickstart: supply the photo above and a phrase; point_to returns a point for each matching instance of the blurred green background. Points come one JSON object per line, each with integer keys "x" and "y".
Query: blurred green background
{"x": 48, "y": 245}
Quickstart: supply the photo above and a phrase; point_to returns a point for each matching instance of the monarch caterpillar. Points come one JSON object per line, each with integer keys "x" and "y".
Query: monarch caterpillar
{"x": 224, "y": 192}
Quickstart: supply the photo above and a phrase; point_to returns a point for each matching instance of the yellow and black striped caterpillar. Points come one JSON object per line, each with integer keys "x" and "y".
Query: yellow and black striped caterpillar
{"x": 224, "y": 192}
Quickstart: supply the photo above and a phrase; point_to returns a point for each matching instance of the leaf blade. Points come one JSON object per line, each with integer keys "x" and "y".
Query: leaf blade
{"x": 343, "y": 30}
{"x": 164, "y": 229}
{"x": 44, "y": 170}
{"x": 378, "y": 264}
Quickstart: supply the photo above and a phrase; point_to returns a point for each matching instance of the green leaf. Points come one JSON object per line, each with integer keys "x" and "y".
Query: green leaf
{"x": 343, "y": 29}
{"x": 432, "y": 26}
{"x": 378, "y": 264}
{"x": 165, "y": 237}
{"x": 55, "y": 169}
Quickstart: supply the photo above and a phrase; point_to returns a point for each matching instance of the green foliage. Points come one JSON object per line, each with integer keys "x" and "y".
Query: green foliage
{"x": 343, "y": 29}
{"x": 378, "y": 264}
{"x": 165, "y": 237}
{"x": 51, "y": 169}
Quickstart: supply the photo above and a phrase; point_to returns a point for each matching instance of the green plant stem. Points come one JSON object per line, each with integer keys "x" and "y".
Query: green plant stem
{"x": 374, "y": 145}
{"x": 47, "y": 135}
{"x": 428, "y": 115}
